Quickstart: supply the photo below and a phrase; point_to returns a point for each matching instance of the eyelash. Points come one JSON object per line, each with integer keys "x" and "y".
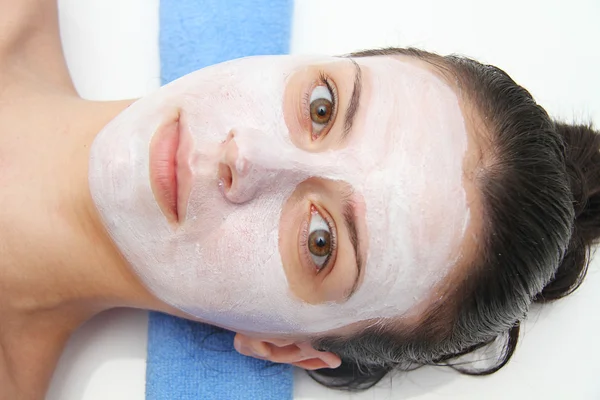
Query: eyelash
{"x": 324, "y": 80}
{"x": 304, "y": 239}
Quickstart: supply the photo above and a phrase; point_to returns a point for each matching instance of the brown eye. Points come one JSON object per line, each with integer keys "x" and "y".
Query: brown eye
{"x": 321, "y": 109}
{"x": 319, "y": 244}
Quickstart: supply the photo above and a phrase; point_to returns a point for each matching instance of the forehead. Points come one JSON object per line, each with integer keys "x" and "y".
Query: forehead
{"x": 409, "y": 135}
{"x": 410, "y": 97}
{"x": 405, "y": 158}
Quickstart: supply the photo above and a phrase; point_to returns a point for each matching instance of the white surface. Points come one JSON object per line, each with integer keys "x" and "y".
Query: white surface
{"x": 111, "y": 46}
{"x": 551, "y": 47}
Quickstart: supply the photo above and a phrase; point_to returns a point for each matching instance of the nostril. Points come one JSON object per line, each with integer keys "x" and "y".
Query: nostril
{"x": 225, "y": 178}
{"x": 238, "y": 177}
{"x": 229, "y": 137}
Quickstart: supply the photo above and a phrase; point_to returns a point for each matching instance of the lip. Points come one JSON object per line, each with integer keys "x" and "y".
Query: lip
{"x": 164, "y": 166}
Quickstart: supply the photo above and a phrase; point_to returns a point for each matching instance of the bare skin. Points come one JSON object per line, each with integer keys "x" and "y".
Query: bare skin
{"x": 42, "y": 208}
{"x": 58, "y": 266}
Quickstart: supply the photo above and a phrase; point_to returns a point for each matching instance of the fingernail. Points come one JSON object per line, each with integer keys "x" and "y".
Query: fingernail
{"x": 261, "y": 352}
{"x": 261, "y": 349}
{"x": 236, "y": 344}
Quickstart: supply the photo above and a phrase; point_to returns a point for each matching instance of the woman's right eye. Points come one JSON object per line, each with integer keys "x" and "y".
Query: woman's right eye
{"x": 322, "y": 108}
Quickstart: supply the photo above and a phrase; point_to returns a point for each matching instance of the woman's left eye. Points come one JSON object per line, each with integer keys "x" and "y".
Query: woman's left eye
{"x": 320, "y": 241}
{"x": 322, "y": 104}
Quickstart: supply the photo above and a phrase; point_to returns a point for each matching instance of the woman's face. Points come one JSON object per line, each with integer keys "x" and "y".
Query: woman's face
{"x": 289, "y": 195}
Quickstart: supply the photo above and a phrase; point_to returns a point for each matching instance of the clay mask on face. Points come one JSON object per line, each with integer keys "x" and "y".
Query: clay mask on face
{"x": 221, "y": 262}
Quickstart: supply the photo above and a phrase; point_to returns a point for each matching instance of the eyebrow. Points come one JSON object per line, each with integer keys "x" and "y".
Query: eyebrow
{"x": 354, "y": 100}
{"x": 348, "y": 207}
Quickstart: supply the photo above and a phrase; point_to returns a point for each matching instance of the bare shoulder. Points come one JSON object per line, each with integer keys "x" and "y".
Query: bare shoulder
{"x": 30, "y": 39}
{"x": 19, "y": 21}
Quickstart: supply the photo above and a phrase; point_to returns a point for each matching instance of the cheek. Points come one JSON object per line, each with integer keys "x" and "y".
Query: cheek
{"x": 294, "y": 113}
{"x": 291, "y": 220}
{"x": 214, "y": 107}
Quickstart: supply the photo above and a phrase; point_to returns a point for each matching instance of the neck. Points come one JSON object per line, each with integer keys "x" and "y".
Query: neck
{"x": 58, "y": 267}
{"x": 52, "y": 235}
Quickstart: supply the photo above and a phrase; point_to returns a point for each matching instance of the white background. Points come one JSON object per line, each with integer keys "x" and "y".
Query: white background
{"x": 551, "y": 47}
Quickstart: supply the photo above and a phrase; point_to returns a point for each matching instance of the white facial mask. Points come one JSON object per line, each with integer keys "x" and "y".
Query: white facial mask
{"x": 222, "y": 263}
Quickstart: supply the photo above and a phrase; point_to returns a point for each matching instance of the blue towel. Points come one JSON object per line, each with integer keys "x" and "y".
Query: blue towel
{"x": 187, "y": 360}
{"x": 198, "y": 33}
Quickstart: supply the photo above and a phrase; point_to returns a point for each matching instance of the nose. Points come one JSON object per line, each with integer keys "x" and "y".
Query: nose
{"x": 239, "y": 179}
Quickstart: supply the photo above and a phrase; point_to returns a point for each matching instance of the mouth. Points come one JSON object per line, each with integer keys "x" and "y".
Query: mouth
{"x": 164, "y": 180}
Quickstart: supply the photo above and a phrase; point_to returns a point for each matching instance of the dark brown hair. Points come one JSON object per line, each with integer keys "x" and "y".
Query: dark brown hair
{"x": 540, "y": 190}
